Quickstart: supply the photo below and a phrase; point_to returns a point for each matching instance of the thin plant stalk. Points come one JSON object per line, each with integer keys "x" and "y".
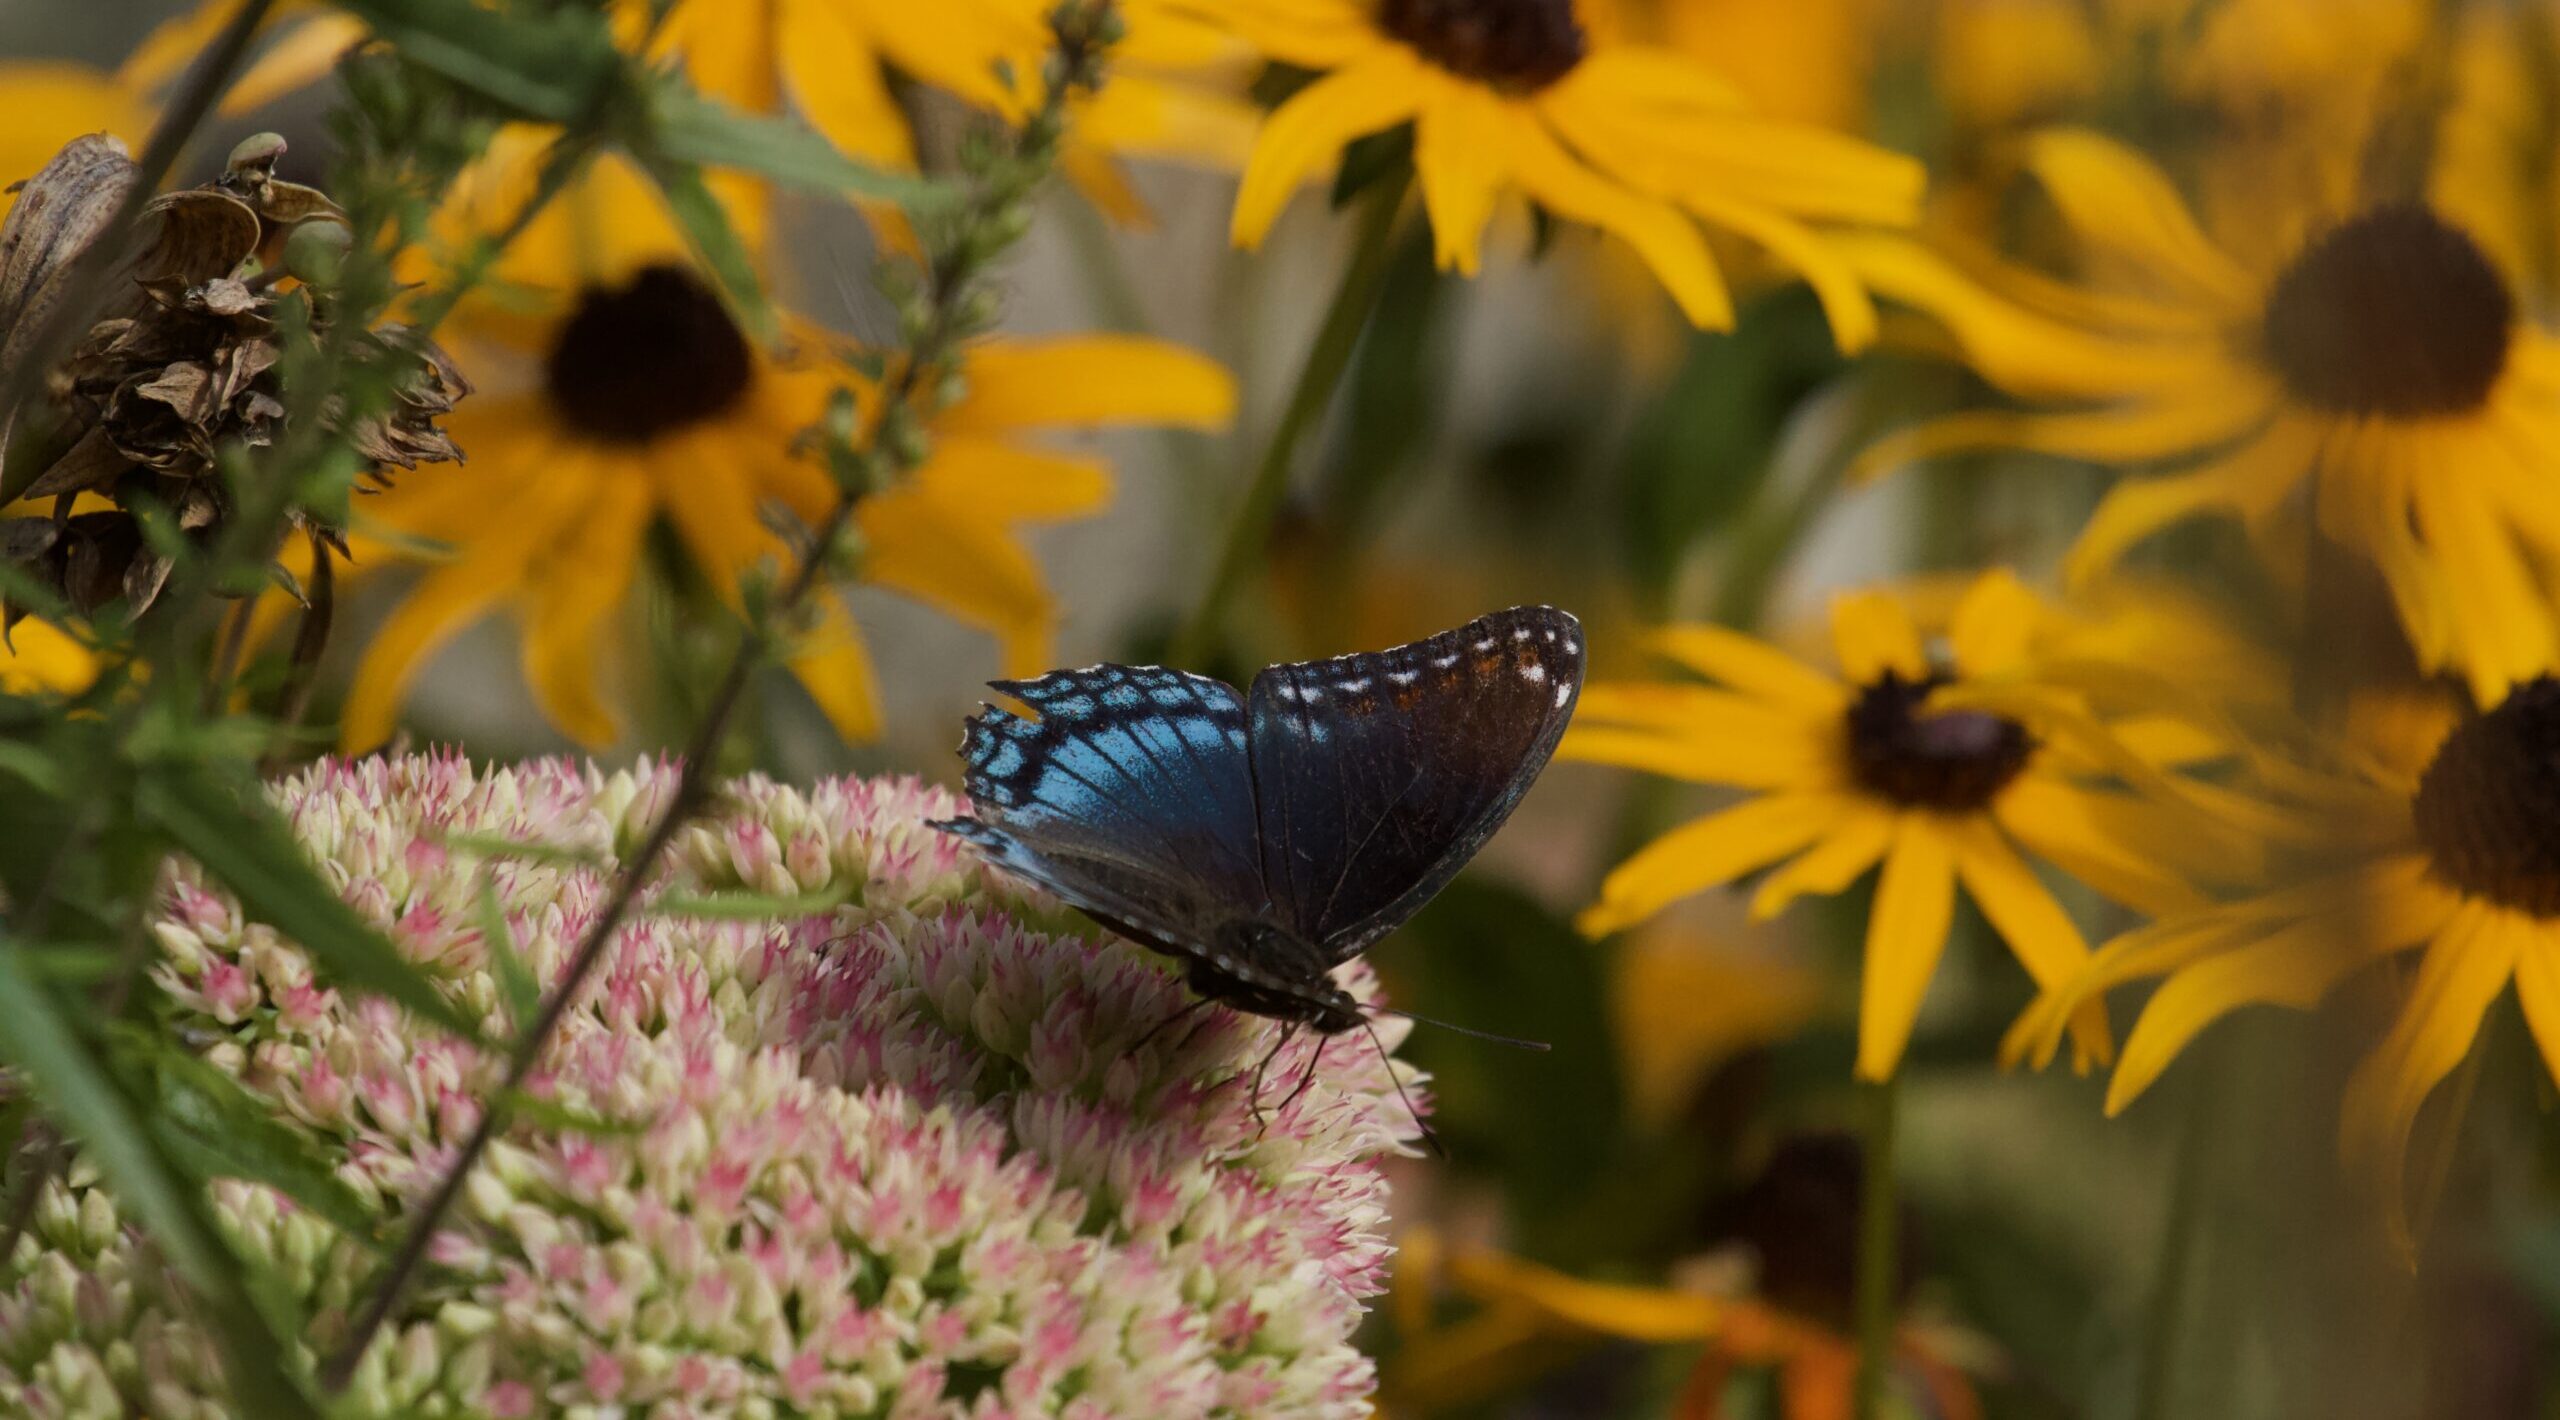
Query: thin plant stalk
{"x": 1250, "y": 533}
{"x": 1879, "y": 1246}
{"x": 2181, "y": 1237}
{"x": 947, "y": 311}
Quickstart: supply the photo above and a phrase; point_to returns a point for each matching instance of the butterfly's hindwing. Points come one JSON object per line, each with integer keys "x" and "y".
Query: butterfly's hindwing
{"x": 1269, "y": 841}
{"x": 1130, "y": 796}
{"x": 1377, "y": 776}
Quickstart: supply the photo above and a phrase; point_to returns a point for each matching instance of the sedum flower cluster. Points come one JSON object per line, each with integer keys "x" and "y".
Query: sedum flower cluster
{"x": 932, "y": 1151}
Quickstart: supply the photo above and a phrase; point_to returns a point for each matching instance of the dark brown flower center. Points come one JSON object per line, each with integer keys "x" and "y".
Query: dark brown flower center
{"x": 1518, "y": 45}
{"x": 1952, "y": 760}
{"x": 2488, "y": 807}
{"x": 2395, "y": 312}
{"x": 646, "y": 358}
{"x": 1799, "y": 1217}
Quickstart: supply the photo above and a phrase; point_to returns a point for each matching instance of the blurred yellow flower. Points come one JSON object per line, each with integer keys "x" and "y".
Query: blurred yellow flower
{"x": 2444, "y": 855}
{"x": 1685, "y": 1002}
{"x": 625, "y": 396}
{"x": 1773, "y": 1299}
{"x": 1175, "y": 90}
{"x": 46, "y": 104}
{"x": 2388, "y": 366}
{"x": 1810, "y": 62}
{"x": 1939, "y": 769}
{"x": 37, "y": 657}
{"x": 1516, "y": 97}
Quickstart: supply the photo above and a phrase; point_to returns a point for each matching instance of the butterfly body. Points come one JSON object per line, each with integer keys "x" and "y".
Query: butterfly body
{"x": 1266, "y": 838}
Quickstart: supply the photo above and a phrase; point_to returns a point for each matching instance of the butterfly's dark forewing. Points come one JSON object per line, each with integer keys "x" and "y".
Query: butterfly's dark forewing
{"x": 1131, "y": 796}
{"x": 1377, "y": 776}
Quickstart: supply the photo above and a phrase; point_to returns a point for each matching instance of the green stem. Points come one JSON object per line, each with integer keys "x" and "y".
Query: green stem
{"x": 1879, "y": 1250}
{"x": 2181, "y": 1237}
{"x": 1327, "y": 358}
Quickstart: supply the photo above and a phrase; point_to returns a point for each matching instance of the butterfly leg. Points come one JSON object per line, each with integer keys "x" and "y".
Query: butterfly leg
{"x": 1306, "y": 1077}
{"x": 1287, "y": 1030}
{"x": 1159, "y": 1027}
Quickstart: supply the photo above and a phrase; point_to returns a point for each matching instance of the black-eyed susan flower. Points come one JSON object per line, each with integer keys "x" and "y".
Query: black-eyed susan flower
{"x": 623, "y": 396}
{"x": 1516, "y": 97}
{"x": 2385, "y": 378}
{"x": 2435, "y": 861}
{"x": 1773, "y": 1299}
{"x": 1933, "y": 768}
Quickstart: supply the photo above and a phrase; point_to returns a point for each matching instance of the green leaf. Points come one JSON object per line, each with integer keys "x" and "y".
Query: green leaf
{"x": 547, "y": 63}
{"x": 687, "y": 127}
{"x": 1550, "y": 1124}
{"x": 1698, "y": 457}
{"x": 33, "y": 767}
{"x": 221, "y": 1130}
{"x": 515, "y": 980}
{"x": 550, "y": 855}
{"x": 706, "y": 224}
{"x": 560, "y": 1118}
{"x": 241, "y": 842}
{"x": 751, "y": 906}
{"x": 252, "y": 1323}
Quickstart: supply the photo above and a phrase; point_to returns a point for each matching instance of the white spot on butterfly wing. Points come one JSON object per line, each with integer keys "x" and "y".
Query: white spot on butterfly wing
{"x": 1564, "y": 693}
{"x": 1403, "y": 677}
{"x": 1524, "y": 633}
{"x": 1533, "y": 672}
{"x": 1354, "y": 687}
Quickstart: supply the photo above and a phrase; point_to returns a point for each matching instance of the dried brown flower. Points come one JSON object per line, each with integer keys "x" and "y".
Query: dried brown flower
{"x": 181, "y": 363}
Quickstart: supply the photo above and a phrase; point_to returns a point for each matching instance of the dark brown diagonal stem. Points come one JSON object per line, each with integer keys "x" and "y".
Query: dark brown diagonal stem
{"x": 914, "y": 382}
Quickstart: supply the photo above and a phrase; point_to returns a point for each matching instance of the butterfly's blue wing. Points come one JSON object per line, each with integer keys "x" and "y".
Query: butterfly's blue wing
{"x": 1377, "y": 776}
{"x": 1130, "y": 796}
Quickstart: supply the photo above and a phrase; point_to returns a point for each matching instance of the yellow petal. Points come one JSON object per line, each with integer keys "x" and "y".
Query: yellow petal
{"x": 1841, "y": 858}
{"x": 1906, "y": 931}
{"x": 2538, "y": 988}
{"x": 2136, "y": 508}
{"x": 1699, "y": 759}
{"x": 1872, "y": 633}
{"x": 835, "y": 80}
{"x": 49, "y": 104}
{"x": 714, "y": 511}
{"x": 586, "y": 577}
{"x": 1835, "y": 282}
{"x": 1746, "y": 663}
{"x": 2077, "y": 831}
{"x": 2117, "y": 200}
{"x": 305, "y": 55}
{"x": 952, "y": 559}
{"x": 835, "y": 666}
{"x": 1004, "y": 483}
{"x": 1312, "y": 34}
{"x": 1697, "y": 856}
{"x": 2458, "y": 979}
{"x": 1462, "y": 137}
{"x": 2172, "y": 424}
{"x": 2021, "y": 351}
{"x": 2039, "y": 933}
{"x": 2296, "y": 965}
{"x": 1988, "y": 634}
{"x": 1081, "y": 380}
{"x": 1647, "y": 1314}
{"x": 1668, "y": 241}
{"x": 1311, "y": 129}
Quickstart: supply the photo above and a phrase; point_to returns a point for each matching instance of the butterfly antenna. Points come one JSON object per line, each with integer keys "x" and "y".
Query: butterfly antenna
{"x": 1515, "y": 1042}
{"x": 1429, "y": 1136}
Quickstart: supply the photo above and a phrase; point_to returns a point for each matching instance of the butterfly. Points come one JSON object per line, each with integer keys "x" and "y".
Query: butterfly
{"x": 1267, "y": 838}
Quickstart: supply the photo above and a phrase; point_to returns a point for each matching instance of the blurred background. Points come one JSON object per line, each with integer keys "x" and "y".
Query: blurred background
{"x": 1660, "y": 1216}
